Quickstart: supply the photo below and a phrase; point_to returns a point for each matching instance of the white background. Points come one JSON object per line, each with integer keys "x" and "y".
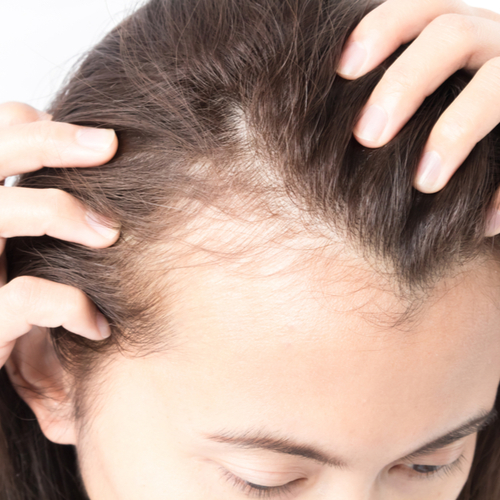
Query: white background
{"x": 41, "y": 39}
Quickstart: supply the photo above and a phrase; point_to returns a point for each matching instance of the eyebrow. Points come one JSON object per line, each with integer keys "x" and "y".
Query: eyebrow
{"x": 266, "y": 441}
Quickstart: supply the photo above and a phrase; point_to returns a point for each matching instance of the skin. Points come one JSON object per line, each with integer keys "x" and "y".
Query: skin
{"x": 303, "y": 348}
{"x": 401, "y": 405}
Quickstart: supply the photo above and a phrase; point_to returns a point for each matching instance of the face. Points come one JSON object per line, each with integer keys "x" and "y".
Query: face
{"x": 292, "y": 382}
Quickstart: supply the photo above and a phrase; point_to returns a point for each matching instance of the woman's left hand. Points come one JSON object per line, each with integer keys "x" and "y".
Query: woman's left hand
{"x": 448, "y": 36}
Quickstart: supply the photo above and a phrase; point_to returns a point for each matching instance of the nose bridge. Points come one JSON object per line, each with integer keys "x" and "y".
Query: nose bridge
{"x": 350, "y": 486}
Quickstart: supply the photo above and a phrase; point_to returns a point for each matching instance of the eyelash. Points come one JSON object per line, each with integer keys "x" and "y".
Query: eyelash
{"x": 257, "y": 491}
{"x": 444, "y": 470}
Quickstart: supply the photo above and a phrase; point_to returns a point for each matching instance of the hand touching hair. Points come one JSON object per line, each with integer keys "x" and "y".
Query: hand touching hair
{"x": 237, "y": 104}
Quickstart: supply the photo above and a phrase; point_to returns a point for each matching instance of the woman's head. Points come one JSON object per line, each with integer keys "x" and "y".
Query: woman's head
{"x": 274, "y": 278}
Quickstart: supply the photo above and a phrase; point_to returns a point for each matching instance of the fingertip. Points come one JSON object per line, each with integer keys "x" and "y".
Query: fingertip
{"x": 354, "y": 58}
{"x": 492, "y": 223}
{"x": 104, "y": 227}
{"x": 425, "y": 189}
{"x": 93, "y": 146}
{"x": 97, "y": 139}
{"x": 103, "y": 326}
{"x": 371, "y": 126}
{"x": 429, "y": 172}
{"x": 367, "y": 143}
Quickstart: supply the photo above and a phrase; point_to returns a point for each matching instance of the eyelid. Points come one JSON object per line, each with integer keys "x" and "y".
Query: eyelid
{"x": 261, "y": 472}
{"x": 255, "y": 490}
{"x": 263, "y": 478}
{"x": 264, "y": 470}
{"x": 456, "y": 447}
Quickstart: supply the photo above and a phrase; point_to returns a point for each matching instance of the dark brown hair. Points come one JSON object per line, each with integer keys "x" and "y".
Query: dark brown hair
{"x": 212, "y": 99}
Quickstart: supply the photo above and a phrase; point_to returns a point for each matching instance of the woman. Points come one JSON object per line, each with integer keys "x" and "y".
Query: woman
{"x": 289, "y": 317}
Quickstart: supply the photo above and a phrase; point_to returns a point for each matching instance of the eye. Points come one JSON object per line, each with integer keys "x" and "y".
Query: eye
{"x": 429, "y": 471}
{"x": 259, "y": 491}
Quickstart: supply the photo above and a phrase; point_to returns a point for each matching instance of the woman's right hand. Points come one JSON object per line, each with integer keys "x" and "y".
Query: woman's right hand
{"x": 30, "y": 140}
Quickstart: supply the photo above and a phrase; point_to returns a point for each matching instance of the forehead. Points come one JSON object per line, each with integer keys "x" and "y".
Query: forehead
{"x": 333, "y": 300}
{"x": 310, "y": 342}
{"x": 324, "y": 329}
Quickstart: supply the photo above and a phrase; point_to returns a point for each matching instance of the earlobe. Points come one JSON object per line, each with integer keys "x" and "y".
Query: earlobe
{"x": 41, "y": 382}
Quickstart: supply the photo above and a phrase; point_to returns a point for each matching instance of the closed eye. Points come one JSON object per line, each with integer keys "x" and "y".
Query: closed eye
{"x": 257, "y": 490}
{"x": 417, "y": 471}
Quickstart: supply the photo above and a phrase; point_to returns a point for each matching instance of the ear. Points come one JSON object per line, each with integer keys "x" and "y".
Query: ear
{"x": 41, "y": 382}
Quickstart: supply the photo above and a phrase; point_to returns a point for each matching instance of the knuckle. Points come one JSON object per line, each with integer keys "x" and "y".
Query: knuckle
{"x": 398, "y": 82}
{"x": 54, "y": 206}
{"x": 456, "y": 26}
{"x": 493, "y": 63}
{"x": 455, "y": 131}
{"x": 24, "y": 293}
{"x": 32, "y": 297}
{"x": 57, "y": 202}
{"x": 43, "y": 140}
{"x": 76, "y": 303}
{"x": 40, "y": 132}
{"x": 10, "y": 106}
{"x": 492, "y": 69}
{"x": 12, "y": 112}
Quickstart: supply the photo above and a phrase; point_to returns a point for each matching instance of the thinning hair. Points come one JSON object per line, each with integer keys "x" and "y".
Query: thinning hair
{"x": 215, "y": 100}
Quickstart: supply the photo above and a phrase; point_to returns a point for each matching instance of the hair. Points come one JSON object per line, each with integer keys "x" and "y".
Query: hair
{"x": 214, "y": 99}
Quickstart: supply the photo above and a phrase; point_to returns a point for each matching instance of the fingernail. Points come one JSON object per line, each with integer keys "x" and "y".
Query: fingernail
{"x": 428, "y": 171}
{"x": 103, "y": 325}
{"x": 353, "y": 59}
{"x": 98, "y": 139}
{"x": 372, "y": 123}
{"x": 101, "y": 225}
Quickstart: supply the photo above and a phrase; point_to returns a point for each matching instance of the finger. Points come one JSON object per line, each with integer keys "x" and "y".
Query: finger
{"x": 36, "y": 212}
{"x": 16, "y": 113}
{"x": 487, "y": 14}
{"x": 471, "y": 116}
{"x": 28, "y": 301}
{"x": 387, "y": 27}
{"x": 449, "y": 43}
{"x": 28, "y": 147}
{"x": 493, "y": 217}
